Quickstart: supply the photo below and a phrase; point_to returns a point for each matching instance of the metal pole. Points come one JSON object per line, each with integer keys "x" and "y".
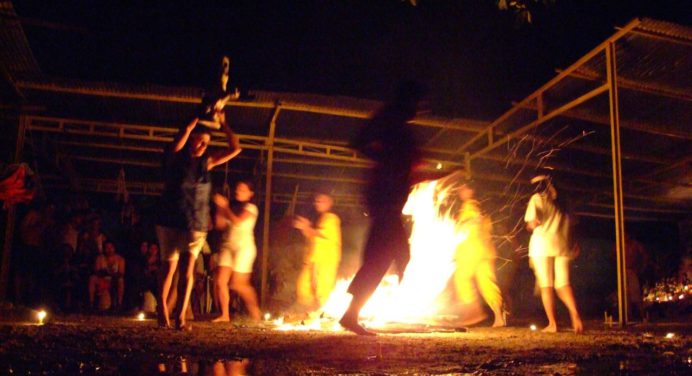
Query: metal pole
{"x": 267, "y": 205}
{"x": 611, "y": 70}
{"x": 11, "y": 216}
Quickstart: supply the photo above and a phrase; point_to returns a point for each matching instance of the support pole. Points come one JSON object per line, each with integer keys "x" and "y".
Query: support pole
{"x": 467, "y": 164}
{"x": 611, "y": 70}
{"x": 11, "y": 217}
{"x": 267, "y": 205}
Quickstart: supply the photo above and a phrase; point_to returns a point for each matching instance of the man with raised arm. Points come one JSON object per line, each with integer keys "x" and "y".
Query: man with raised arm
{"x": 184, "y": 210}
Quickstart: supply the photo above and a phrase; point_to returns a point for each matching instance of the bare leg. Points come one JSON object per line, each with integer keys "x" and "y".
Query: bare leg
{"x": 241, "y": 284}
{"x": 350, "y": 319}
{"x": 487, "y": 282}
{"x": 223, "y": 275}
{"x": 166, "y": 274}
{"x": 173, "y": 293}
{"x": 567, "y": 296}
{"x": 185, "y": 283}
{"x": 548, "y": 299}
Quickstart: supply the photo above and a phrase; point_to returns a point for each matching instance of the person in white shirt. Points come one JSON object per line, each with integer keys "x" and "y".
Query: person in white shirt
{"x": 550, "y": 250}
{"x": 238, "y": 250}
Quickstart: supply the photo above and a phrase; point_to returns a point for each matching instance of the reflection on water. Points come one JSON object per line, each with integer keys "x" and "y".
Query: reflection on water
{"x": 200, "y": 367}
{"x": 671, "y": 364}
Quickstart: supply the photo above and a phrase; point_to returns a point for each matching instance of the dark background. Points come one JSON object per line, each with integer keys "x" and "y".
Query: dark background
{"x": 475, "y": 57}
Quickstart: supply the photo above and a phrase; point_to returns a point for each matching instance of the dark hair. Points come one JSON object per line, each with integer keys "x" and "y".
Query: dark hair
{"x": 250, "y": 184}
{"x": 561, "y": 202}
{"x": 199, "y": 130}
{"x": 236, "y": 206}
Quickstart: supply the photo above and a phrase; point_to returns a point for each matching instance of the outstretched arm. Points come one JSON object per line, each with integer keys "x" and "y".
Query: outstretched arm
{"x": 327, "y": 228}
{"x": 222, "y": 205}
{"x": 223, "y": 156}
{"x": 183, "y": 135}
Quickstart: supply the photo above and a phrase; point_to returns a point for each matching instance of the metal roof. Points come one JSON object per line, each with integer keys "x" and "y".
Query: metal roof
{"x": 565, "y": 124}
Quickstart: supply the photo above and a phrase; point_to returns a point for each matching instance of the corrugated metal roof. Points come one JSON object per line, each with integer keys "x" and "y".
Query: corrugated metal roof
{"x": 655, "y": 109}
{"x": 15, "y": 52}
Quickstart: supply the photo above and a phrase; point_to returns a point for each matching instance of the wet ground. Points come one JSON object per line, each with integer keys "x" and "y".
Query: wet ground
{"x": 117, "y": 345}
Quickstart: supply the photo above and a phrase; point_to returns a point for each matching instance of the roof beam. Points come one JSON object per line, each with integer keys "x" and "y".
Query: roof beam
{"x": 628, "y": 124}
{"x": 168, "y": 94}
{"x": 165, "y": 134}
{"x": 589, "y": 75}
{"x": 663, "y": 37}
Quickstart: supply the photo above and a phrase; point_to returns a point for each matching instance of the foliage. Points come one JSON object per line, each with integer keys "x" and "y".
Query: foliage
{"x": 521, "y": 8}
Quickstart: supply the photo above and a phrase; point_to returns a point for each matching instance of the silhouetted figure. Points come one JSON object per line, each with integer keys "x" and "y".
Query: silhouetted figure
{"x": 636, "y": 260}
{"x": 389, "y": 142}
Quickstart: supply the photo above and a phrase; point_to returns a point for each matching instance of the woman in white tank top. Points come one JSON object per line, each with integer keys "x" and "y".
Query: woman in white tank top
{"x": 238, "y": 250}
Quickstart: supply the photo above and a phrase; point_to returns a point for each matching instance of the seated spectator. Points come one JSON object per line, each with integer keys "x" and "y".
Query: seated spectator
{"x": 95, "y": 237}
{"x": 70, "y": 232}
{"x": 151, "y": 267}
{"x": 108, "y": 267}
{"x": 65, "y": 274}
{"x": 636, "y": 260}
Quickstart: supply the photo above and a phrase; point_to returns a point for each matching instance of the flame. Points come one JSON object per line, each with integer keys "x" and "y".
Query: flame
{"x": 434, "y": 239}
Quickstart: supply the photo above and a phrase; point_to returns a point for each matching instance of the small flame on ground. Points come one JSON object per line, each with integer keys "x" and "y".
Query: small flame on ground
{"x": 41, "y": 315}
{"x": 267, "y": 316}
{"x": 141, "y": 316}
{"x": 533, "y": 327}
{"x": 670, "y": 335}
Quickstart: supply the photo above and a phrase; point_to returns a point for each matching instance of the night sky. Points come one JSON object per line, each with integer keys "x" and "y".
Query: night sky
{"x": 475, "y": 58}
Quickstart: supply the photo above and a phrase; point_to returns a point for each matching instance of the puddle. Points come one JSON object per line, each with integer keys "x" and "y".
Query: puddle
{"x": 201, "y": 366}
{"x": 143, "y": 366}
{"x": 672, "y": 365}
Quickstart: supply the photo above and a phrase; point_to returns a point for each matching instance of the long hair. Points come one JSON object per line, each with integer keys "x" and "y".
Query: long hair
{"x": 557, "y": 196}
{"x": 236, "y": 206}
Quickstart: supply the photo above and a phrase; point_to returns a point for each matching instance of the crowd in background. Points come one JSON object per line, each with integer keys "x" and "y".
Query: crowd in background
{"x": 72, "y": 257}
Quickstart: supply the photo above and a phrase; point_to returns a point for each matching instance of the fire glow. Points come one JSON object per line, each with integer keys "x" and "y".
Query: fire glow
{"x": 434, "y": 239}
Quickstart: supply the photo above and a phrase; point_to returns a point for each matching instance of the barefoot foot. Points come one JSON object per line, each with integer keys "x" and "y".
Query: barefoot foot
{"x": 353, "y": 326}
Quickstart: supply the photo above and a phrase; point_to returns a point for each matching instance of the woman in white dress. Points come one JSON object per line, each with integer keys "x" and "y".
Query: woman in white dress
{"x": 238, "y": 250}
{"x": 550, "y": 251}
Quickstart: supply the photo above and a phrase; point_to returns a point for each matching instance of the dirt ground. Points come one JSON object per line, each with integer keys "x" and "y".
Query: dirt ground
{"x": 119, "y": 345}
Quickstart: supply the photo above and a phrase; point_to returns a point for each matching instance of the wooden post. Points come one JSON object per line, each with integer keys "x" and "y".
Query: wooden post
{"x": 611, "y": 70}
{"x": 267, "y": 205}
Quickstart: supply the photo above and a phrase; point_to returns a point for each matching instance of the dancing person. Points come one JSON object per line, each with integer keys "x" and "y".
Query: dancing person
{"x": 549, "y": 250}
{"x": 388, "y": 141}
{"x": 238, "y": 250}
{"x": 322, "y": 253}
{"x": 184, "y": 211}
{"x": 475, "y": 261}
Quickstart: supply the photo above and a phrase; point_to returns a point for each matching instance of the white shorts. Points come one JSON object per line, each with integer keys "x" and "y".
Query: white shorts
{"x": 174, "y": 241}
{"x": 239, "y": 260}
{"x": 551, "y": 271}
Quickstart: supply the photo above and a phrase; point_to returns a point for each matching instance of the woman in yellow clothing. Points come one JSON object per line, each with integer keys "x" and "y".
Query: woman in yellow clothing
{"x": 475, "y": 261}
{"x": 322, "y": 253}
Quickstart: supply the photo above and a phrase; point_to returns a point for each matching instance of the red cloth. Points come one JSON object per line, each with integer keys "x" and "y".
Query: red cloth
{"x": 13, "y": 188}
